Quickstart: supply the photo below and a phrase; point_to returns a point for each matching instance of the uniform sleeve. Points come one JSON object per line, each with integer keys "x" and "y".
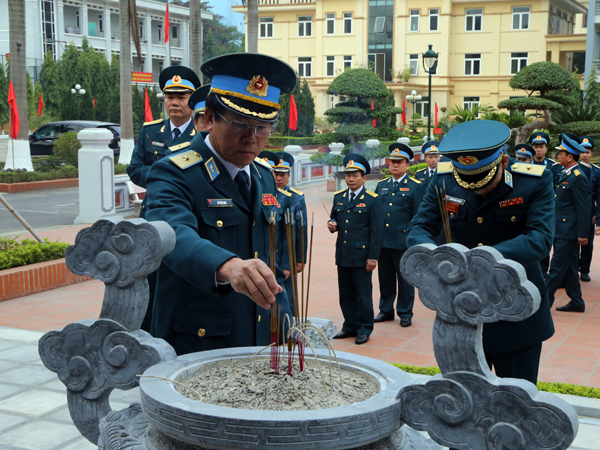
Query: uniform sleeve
{"x": 170, "y": 199}
{"x": 376, "y": 231}
{"x": 333, "y": 214}
{"x": 417, "y": 198}
{"x": 596, "y": 195}
{"x": 138, "y": 167}
{"x": 427, "y": 223}
{"x": 583, "y": 206}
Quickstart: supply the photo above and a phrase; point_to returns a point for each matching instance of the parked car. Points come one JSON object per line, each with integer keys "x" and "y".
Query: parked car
{"x": 42, "y": 139}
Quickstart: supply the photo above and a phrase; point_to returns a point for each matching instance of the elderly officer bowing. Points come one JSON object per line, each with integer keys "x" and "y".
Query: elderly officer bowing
{"x": 357, "y": 217}
{"x": 215, "y": 288}
{"x": 585, "y": 256}
{"x": 510, "y": 208}
{"x": 432, "y": 157}
{"x": 400, "y": 197}
{"x": 573, "y": 206}
{"x": 197, "y": 103}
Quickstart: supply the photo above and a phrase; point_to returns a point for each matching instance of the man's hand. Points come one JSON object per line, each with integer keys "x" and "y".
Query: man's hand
{"x": 286, "y": 273}
{"x": 594, "y": 220}
{"x": 299, "y": 267}
{"x": 582, "y": 241}
{"x": 332, "y": 226}
{"x": 251, "y": 277}
{"x": 371, "y": 265}
{"x": 597, "y": 231}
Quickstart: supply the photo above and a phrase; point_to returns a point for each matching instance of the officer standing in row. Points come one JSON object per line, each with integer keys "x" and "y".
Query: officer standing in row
{"x": 215, "y": 288}
{"x": 586, "y": 251}
{"x": 197, "y": 103}
{"x": 432, "y": 158}
{"x": 573, "y": 207}
{"x": 510, "y": 208}
{"x": 400, "y": 196}
{"x": 524, "y": 153}
{"x": 357, "y": 217}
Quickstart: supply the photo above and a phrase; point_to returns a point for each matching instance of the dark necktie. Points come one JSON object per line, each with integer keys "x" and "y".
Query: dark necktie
{"x": 352, "y": 197}
{"x": 430, "y": 173}
{"x": 176, "y": 133}
{"x": 396, "y": 184}
{"x": 241, "y": 179}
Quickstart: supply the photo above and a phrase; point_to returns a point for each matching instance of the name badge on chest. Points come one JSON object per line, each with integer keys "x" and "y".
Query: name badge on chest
{"x": 219, "y": 202}
{"x": 158, "y": 144}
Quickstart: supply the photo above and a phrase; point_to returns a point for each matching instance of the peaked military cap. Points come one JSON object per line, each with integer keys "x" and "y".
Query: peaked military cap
{"x": 178, "y": 79}
{"x": 475, "y": 149}
{"x": 354, "y": 162}
{"x": 587, "y": 142}
{"x": 284, "y": 162}
{"x": 431, "y": 148}
{"x": 539, "y": 137}
{"x": 250, "y": 84}
{"x": 524, "y": 151}
{"x": 197, "y": 100}
{"x": 269, "y": 157}
{"x": 570, "y": 144}
{"x": 400, "y": 151}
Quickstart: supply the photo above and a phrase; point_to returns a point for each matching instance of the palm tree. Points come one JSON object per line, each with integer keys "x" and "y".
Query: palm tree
{"x": 21, "y": 157}
{"x": 252, "y": 30}
{"x": 195, "y": 35}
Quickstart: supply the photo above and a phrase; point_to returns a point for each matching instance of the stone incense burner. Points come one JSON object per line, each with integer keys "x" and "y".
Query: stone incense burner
{"x": 465, "y": 407}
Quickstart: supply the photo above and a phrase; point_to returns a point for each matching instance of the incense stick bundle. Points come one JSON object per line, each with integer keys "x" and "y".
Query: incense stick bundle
{"x": 303, "y": 319}
{"x": 442, "y": 202}
{"x": 274, "y": 319}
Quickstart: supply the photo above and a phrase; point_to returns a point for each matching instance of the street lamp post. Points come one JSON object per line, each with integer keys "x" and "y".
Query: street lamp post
{"x": 161, "y": 98}
{"x": 413, "y": 98}
{"x": 430, "y": 61}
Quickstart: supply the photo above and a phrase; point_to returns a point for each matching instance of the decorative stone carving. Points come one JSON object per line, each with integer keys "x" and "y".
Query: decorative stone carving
{"x": 468, "y": 406}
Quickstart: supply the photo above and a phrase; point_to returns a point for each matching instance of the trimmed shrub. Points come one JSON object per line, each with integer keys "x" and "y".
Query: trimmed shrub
{"x": 14, "y": 253}
{"x": 66, "y": 147}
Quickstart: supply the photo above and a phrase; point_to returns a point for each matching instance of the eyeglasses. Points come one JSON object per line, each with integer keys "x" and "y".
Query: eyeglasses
{"x": 242, "y": 128}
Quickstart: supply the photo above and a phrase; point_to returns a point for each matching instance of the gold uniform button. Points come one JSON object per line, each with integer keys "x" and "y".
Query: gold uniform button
{"x": 345, "y": 231}
{"x": 564, "y": 220}
{"x": 388, "y": 214}
{"x": 196, "y": 154}
{"x": 346, "y": 220}
{"x": 219, "y": 223}
{"x": 513, "y": 219}
{"x": 363, "y": 246}
{"x": 390, "y": 204}
{"x": 348, "y": 211}
{"x": 387, "y": 224}
{"x": 259, "y": 318}
{"x": 344, "y": 242}
{"x": 479, "y": 245}
{"x": 480, "y": 220}
{"x": 393, "y": 194}
{"x": 451, "y": 214}
{"x": 201, "y": 332}
{"x": 256, "y": 254}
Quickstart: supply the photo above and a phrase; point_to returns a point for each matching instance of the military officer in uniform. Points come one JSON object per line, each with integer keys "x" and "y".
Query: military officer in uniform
{"x": 197, "y": 103}
{"x": 215, "y": 289}
{"x": 357, "y": 217}
{"x": 508, "y": 207}
{"x": 432, "y": 158}
{"x": 585, "y": 256}
{"x": 400, "y": 197}
{"x": 524, "y": 152}
{"x": 573, "y": 219}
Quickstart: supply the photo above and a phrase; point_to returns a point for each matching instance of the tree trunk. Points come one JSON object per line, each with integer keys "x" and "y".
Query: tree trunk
{"x": 18, "y": 154}
{"x": 195, "y": 36}
{"x": 252, "y": 30}
{"x": 125, "y": 78}
{"x": 526, "y": 129}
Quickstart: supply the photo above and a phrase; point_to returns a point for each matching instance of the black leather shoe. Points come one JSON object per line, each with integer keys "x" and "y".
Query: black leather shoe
{"x": 405, "y": 322}
{"x": 585, "y": 277}
{"x": 345, "y": 334}
{"x": 570, "y": 308}
{"x": 382, "y": 317}
{"x": 361, "y": 339}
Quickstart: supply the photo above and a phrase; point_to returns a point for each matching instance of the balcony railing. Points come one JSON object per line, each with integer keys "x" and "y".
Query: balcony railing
{"x": 286, "y": 2}
{"x": 597, "y": 7}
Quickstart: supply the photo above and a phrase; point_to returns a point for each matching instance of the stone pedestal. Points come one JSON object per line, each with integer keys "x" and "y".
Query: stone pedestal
{"x": 3, "y": 147}
{"x": 18, "y": 155}
{"x": 296, "y": 177}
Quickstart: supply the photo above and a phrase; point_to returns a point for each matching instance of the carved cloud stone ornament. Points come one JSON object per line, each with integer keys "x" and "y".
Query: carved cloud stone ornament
{"x": 467, "y": 406}
{"x": 93, "y": 357}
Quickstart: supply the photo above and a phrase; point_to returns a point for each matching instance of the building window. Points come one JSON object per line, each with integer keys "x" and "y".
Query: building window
{"x": 413, "y": 63}
{"x": 160, "y": 38}
{"x": 304, "y": 26}
{"x": 348, "y": 62}
{"x": 48, "y": 29}
{"x": 141, "y": 27}
{"x": 305, "y": 67}
{"x": 474, "y": 19}
{"x": 330, "y": 23}
{"x": 266, "y": 27}
{"x": 468, "y": 102}
{"x": 330, "y": 66}
{"x": 434, "y": 15}
{"x": 348, "y": 23}
{"x": 414, "y": 20}
{"x": 160, "y": 67}
{"x": 379, "y": 25}
{"x": 100, "y": 24}
{"x": 517, "y": 62}
{"x": 174, "y": 32}
{"x": 585, "y": 19}
{"x": 520, "y": 16}
{"x": 473, "y": 64}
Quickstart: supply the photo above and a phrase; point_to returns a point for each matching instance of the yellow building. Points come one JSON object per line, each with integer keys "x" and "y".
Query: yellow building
{"x": 481, "y": 44}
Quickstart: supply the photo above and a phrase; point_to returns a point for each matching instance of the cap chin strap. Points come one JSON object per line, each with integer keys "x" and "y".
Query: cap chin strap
{"x": 481, "y": 183}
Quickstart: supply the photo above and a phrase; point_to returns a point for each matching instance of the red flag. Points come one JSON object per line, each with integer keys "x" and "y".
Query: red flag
{"x": 94, "y": 101}
{"x": 436, "y": 114}
{"x": 15, "y": 123}
{"x": 404, "y": 112}
{"x": 40, "y": 106}
{"x": 372, "y": 108}
{"x": 293, "y": 114}
{"x": 167, "y": 24}
{"x": 147, "y": 109}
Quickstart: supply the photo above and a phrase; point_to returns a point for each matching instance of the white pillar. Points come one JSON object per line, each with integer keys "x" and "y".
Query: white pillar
{"x": 96, "y": 176}
{"x": 84, "y": 20}
{"x": 60, "y": 28}
{"x": 148, "y": 38}
{"x": 107, "y": 32}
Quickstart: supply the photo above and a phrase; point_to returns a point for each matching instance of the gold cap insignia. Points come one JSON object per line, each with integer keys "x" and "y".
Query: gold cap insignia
{"x": 433, "y": 147}
{"x": 396, "y": 152}
{"x": 522, "y": 150}
{"x": 586, "y": 140}
{"x": 350, "y": 163}
{"x": 176, "y": 79}
{"x": 258, "y": 86}
{"x": 538, "y": 138}
{"x": 281, "y": 161}
{"x": 468, "y": 160}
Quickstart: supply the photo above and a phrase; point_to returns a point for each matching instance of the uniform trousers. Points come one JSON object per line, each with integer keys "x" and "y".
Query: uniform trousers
{"x": 585, "y": 257}
{"x": 563, "y": 270}
{"x": 523, "y": 363}
{"x": 355, "y": 286}
{"x": 391, "y": 282}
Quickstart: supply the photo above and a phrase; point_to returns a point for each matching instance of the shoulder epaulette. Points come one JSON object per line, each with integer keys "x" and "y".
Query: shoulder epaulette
{"x": 415, "y": 180}
{"x": 153, "y": 122}
{"x": 535, "y": 170}
{"x": 552, "y": 161}
{"x": 584, "y": 164}
{"x": 422, "y": 170}
{"x": 339, "y": 192}
{"x": 384, "y": 180}
{"x": 263, "y": 163}
{"x": 187, "y": 159}
{"x": 372, "y": 194}
{"x": 283, "y": 191}
{"x": 180, "y": 146}
{"x": 577, "y": 172}
{"x": 444, "y": 167}
{"x": 595, "y": 166}
{"x": 295, "y": 191}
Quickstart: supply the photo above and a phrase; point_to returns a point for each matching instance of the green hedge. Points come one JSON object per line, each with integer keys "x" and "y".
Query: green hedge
{"x": 63, "y": 172}
{"x": 14, "y": 253}
{"x": 282, "y": 141}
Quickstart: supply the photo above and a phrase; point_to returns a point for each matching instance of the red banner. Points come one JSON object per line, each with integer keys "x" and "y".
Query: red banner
{"x": 293, "y": 114}
{"x": 147, "y": 109}
{"x": 404, "y": 112}
{"x": 40, "y": 106}
{"x": 141, "y": 77}
{"x": 167, "y": 24}
{"x": 15, "y": 123}
{"x": 372, "y": 108}
{"x": 436, "y": 114}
